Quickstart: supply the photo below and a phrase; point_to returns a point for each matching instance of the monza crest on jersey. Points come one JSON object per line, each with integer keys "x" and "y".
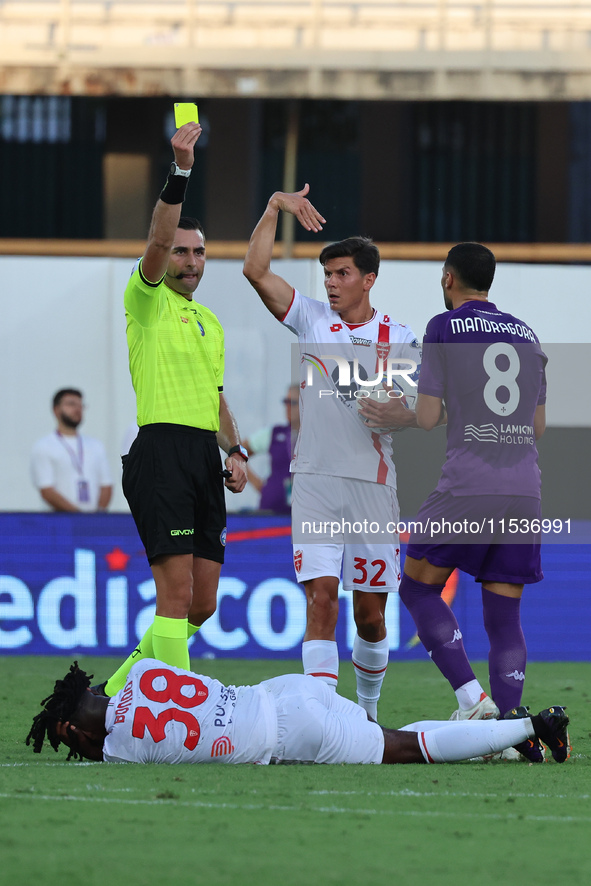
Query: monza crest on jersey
{"x": 382, "y": 350}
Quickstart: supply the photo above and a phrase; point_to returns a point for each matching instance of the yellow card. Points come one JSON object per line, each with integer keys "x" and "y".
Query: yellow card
{"x": 185, "y": 112}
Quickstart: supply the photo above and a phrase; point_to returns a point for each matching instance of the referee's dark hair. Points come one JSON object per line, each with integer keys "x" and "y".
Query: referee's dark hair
{"x": 187, "y": 223}
{"x": 363, "y": 251}
{"x": 474, "y": 264}
{"x": 65, "y": 392}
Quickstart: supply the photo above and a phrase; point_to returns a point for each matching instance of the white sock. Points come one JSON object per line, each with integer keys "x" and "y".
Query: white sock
{"x": 469, "y": 694}
{"x": 320, "y": 658}
{"x": 444, "y": 742}
{"x": 370, "y": 661}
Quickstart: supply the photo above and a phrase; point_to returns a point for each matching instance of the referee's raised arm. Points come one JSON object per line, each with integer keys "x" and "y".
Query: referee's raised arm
{"x": 167, "y": 211}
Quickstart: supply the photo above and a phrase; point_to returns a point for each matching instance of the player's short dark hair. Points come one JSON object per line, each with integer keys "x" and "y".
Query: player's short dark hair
{"x": 58, "y": 707}
{"x": 474, "y": 264}
{"x": 363, "y": 251}
{"x": 187, "y": 223}
{"x": 65, "y": 392}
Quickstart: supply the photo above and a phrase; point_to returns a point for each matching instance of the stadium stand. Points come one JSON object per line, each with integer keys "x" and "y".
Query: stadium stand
{"x": 351, "y": 39}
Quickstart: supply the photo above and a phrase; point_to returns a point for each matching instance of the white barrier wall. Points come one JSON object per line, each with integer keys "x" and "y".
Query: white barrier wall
{"x": 64, "y": 325}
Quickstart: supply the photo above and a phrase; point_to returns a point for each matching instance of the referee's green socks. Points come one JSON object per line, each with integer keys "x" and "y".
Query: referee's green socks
{"x": 145, "y": 649}
{"x": 169, "y": 641}
{"x": 191, "y": 629}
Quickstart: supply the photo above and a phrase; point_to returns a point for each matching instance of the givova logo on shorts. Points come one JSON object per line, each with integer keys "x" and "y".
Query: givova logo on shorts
{"x": 182, "y": 532}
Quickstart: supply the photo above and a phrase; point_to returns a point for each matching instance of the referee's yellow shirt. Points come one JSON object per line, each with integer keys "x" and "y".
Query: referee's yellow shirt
{"x": 176, "y": 356}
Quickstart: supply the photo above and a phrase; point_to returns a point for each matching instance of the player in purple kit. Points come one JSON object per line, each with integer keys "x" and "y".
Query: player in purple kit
{"x": 487, "y": 367}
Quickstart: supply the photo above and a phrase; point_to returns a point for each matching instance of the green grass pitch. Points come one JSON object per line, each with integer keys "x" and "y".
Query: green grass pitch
{"x": 499, "y": 823}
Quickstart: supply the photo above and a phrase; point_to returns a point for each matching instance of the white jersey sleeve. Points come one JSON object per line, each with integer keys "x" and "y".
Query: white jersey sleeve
{"x": 335, "y": 358}
{"x": 304, "y": 312}
{"x": 168, "y": 715}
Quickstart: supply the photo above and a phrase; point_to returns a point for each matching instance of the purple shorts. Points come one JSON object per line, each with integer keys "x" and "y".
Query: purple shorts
{"x": 488, "y": 536}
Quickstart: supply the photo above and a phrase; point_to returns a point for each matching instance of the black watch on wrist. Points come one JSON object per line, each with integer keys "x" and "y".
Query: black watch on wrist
{"x": 241, "y": 450}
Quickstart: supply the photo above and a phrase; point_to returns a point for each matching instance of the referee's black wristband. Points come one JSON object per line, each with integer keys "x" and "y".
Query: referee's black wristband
{"x": 175, "y": 189}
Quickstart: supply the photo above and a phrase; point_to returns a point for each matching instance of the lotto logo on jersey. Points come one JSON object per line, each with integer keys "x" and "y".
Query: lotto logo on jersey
{"x": 221, "y": 747}
{"x": 336, "y": 327}
{"x": 297, "y": 561}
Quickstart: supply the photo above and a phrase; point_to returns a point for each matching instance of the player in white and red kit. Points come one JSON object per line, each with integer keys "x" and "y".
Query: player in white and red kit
{"x": 344, "y": 506}
{"x": 168, "y": 715}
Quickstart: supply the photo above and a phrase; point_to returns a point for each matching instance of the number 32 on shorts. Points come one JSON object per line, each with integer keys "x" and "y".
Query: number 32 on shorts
{"x": 376, "y": 569}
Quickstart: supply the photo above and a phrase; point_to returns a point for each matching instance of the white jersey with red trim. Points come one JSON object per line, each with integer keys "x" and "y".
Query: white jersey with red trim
{"x": 168, "y": 715}
{"x": 334, "y": 358}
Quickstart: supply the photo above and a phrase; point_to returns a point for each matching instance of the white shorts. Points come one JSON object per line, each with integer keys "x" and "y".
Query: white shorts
{"x": 341, "y": 524}
{"x": 316, "y": 725}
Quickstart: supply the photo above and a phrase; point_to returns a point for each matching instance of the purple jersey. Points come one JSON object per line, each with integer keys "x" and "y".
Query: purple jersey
{"x": 488, "y": 367}
{"x": 276, "y": 493}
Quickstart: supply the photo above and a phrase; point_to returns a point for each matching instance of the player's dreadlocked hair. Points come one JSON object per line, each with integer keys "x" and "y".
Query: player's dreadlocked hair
{"x": 60, "y": 705}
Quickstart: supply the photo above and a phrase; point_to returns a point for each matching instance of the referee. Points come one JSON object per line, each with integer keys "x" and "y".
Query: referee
{"x": 173, "y": 477}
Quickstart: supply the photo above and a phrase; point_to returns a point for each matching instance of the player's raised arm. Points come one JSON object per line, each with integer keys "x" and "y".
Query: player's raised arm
{"x": 274, "y": 291}
{"x": 167, "y": 211}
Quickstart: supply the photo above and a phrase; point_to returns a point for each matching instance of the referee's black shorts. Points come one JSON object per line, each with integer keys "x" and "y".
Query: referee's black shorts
{"x": 173, "y": 483}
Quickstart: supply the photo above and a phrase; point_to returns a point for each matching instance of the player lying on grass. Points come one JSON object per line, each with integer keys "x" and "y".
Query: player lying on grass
{"x": 168, "y": 715}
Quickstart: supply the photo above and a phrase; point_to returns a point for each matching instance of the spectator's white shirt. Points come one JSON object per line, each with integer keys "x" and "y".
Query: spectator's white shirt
{"x": 75, "y": 466}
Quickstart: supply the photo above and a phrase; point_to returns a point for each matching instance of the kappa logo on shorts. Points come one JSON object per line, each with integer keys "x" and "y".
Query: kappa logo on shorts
{"x": 223, "y": 535}
{"x": 297, "y": 560}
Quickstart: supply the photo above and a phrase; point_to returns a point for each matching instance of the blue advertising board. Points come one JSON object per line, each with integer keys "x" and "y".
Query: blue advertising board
{"x": 81, "y": 584}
